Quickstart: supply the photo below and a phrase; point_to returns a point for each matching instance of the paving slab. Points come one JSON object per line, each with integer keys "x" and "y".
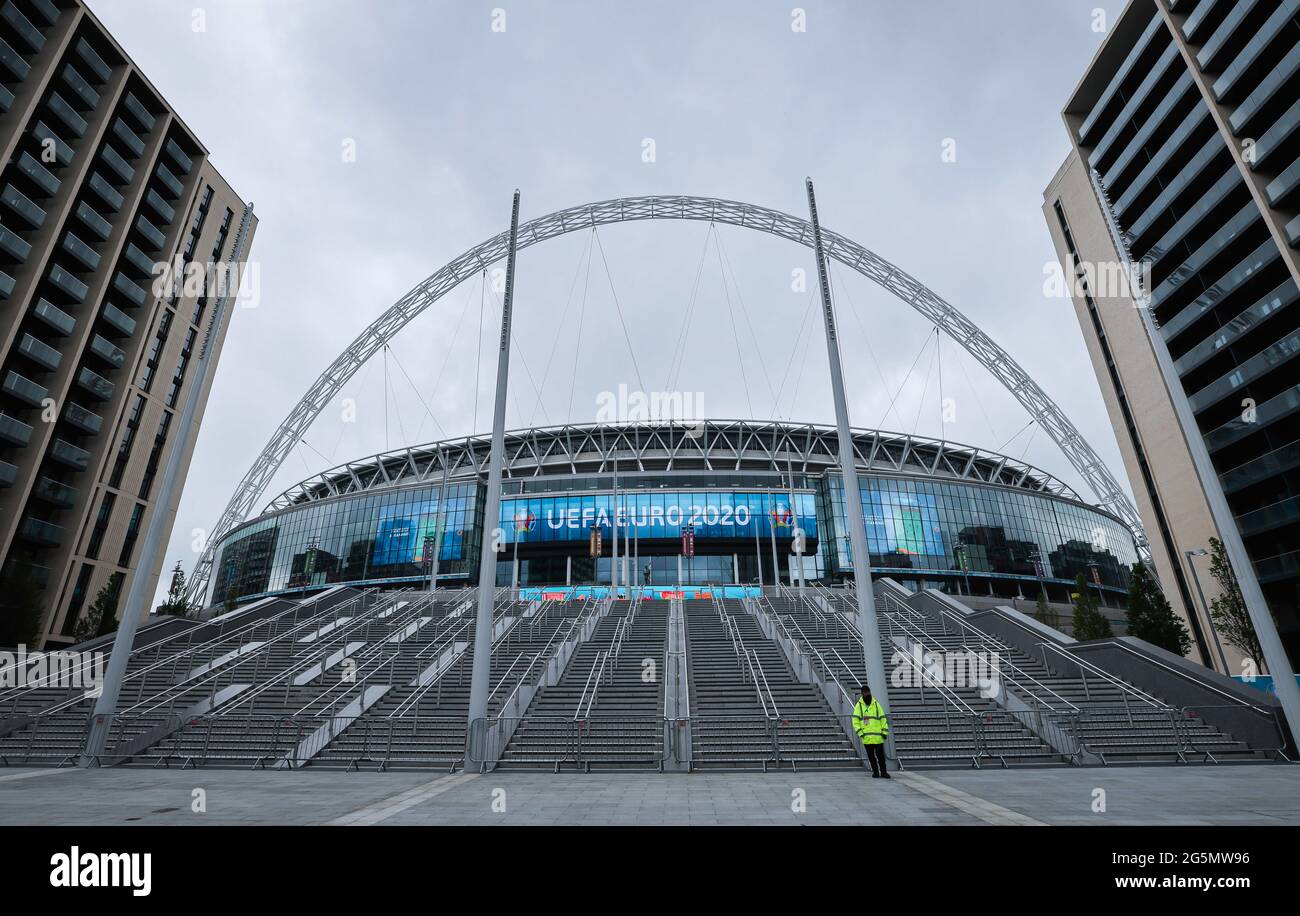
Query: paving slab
{"x": 1229, "y": 795}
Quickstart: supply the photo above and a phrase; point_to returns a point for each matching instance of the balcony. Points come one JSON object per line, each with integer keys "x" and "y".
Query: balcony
{"x": 36, "y": 531}
{"x": 42, "y": 177}
{"x": 95, "y": 384}
{"x": 129, "y": 288}
{"x": 8, "y": 474}
{"x": 139, "y": 260}
{"x": 107, "y": 352}
{"x": 55, "y": 493}
{"x": 13, "y": 244}
{"x": 13, "y": 431}
{"x": 39, "y": 352}
{"x": 48, "y": 11}
{"x": 85, "y": 420}
{"x": 142, "y": 114}
{"x": 7, "y": 98}
{"x": 45, "y": 135}
{"x": 14, "y": 61}
{"x": 92, "y": 60}
{"x": 113, "y": 159}
{"x": 99, "y": 184}
{"x": 94, "y": 222}
{"x": 183, "y": 162}
{"x": 81, "y": 251}
{"x": 68, "y": 115}
{"x": 118, "y": 319}
{"x": 65, "y": 281}
{"x": 160, "y": 206}
{"x": 24, "y": 389}
{"x": 22, "y": 25}
{"x": 55, "y": 318}
{"x": 68, "y": 455}
{"x": 7, "y": 284}
{"x": 21, "y": 204}
{"x": 151, "y": 233}
{"x": 128, "y": 137}
{"x": 169, "y": 180}
{"x": 77, "y": 83}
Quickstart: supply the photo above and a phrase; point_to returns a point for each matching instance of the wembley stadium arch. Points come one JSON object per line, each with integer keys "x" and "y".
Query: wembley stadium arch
{"x": 1110, "y": 497}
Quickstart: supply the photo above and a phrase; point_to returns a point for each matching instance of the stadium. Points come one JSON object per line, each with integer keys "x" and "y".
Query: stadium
{"x": 961, "y": 519}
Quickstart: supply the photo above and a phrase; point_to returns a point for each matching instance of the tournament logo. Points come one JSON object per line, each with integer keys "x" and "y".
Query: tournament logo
{"x": 782, "y": 517}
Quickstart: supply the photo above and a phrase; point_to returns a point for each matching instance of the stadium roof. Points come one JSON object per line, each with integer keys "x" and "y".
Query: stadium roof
{"x": 711, "y": 445}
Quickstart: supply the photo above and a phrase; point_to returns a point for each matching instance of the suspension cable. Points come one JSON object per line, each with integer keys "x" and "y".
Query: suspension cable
{"x": 884, "y": 385}
{"x": 559, "y": 328}
{"x": 920, "y": 404}
{"x": 679, "y": 348}
{"x": 794, "y": 351}
{"x": 725, "y": 258}
{"x": 577, "y": 346}
{"x": 609, "y": 277}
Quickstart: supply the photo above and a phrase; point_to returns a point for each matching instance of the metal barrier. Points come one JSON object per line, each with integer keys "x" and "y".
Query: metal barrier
{"x": 623, "y": 742}
{"x": 1189, "y": 714}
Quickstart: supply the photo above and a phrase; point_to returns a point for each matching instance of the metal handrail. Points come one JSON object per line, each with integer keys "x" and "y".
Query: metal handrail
{"x": 190, "y": 650}
{"x": 762, "y": 675}
{"x": 1126, "y": 689}
{"x": 598, "y": 662}
{"x": 985, "y": 642}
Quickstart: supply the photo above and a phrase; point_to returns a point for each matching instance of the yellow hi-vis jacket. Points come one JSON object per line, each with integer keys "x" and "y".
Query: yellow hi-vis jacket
{"x": 870, "y": 722}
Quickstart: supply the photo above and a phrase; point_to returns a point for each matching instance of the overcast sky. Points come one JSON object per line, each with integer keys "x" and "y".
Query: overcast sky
{"x": 447, "y": 116}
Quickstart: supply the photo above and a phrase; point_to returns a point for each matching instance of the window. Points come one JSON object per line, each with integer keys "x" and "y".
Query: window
{"x": 132, "y": 532}
{"x": 101, "y": 525}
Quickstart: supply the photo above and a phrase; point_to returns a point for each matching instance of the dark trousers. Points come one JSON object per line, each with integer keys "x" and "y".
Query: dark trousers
{"x": 876, "y": 757}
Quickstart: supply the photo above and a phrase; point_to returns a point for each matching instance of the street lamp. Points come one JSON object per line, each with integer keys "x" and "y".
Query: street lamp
{"x": 1205, "y": 606}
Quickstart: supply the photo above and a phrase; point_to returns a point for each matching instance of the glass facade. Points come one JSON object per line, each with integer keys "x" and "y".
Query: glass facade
{"x": 377, "y": 537}
{"x": 968, "y": 530}
{"x": 963, "y": 534}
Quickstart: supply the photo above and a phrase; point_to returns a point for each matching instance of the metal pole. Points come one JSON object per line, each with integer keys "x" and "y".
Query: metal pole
{"x": 867, "y": 624}
{"x": 1205, "y": 605}
{"x": 794, "y": 514}
{"x": 138, "y": 597}
{"x": 487, "y": 573}
{"x": 440, "y": 519}
{"x": 771, "y": 530}
{"x": 613, "y": 562}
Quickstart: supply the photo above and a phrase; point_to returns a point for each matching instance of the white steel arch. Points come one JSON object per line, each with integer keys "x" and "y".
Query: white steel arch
{"x": 629, "y": 209}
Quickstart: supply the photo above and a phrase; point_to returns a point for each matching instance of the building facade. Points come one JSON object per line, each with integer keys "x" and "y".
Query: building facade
{"x": 1186, "y": 161}
{"x": 715, "y": 505}
{"x": 102, "y": 183}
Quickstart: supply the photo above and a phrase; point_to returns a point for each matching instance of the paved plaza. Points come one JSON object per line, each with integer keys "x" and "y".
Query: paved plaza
{"x": 1232, "y": 795}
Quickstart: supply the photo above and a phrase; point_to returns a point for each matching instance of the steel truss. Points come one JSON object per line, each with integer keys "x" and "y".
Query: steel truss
{"x": 714, "y": 445}
{"x": 631, "y": 209}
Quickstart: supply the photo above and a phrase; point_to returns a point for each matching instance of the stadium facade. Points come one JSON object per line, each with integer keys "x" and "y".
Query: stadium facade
{"x": 710, "y": 504}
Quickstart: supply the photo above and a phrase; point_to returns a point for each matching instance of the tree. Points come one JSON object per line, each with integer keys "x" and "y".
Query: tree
{"x": 1044, "y": 614}
{"x": 176, "y": 605}
{"x": 101, "y": 619}
{"x": 1228, "y": 609}
{"x": 22, "y": 605}
{"x": 1088, "y": 621}
{"x": 1149, "y": 615}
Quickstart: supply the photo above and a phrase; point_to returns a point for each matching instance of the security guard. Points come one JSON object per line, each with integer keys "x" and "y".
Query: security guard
{"x": 873, "y": 728}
